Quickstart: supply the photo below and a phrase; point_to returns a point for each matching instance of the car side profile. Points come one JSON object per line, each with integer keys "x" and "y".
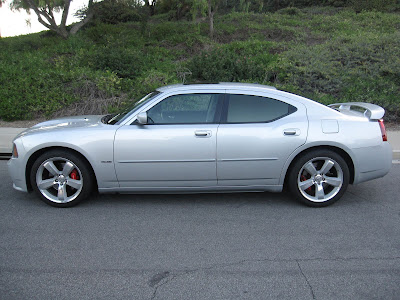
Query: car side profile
{"x": 220, "y": 137}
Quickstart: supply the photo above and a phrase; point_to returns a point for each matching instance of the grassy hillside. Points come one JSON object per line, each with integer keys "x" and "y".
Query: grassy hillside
{"x": 326, "y": 54}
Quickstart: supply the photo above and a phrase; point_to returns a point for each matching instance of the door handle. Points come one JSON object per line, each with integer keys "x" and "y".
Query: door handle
{"x": 202, "y": 133}
{"x": 291, "y": 131}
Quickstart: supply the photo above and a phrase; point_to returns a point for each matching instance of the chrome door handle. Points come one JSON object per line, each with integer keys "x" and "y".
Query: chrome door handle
{"x": 202, "y": 133}
{"x": 291, "y": 131}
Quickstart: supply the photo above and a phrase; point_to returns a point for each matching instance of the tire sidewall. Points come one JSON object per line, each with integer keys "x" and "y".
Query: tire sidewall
{"x": 87, "y": 181}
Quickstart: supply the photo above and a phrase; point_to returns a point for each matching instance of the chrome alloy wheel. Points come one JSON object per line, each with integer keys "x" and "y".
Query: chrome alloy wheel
{"x": 59, "y": 180}
{"x": 320, "y": 179}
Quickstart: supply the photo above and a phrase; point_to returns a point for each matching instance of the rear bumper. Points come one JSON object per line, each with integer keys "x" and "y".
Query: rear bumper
{"x": 372, "y": 162}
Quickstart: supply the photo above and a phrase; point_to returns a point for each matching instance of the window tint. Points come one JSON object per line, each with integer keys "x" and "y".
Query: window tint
{"x": 185, "y": 109}
{"x": 254, "y": 109}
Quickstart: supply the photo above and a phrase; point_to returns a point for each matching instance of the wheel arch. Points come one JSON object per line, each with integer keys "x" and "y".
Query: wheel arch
{"x": 34, "y": 156}
{"x": 344, "y": 154}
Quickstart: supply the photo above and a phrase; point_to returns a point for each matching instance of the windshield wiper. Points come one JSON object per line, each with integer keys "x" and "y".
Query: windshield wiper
{"x": 106, "y": 118}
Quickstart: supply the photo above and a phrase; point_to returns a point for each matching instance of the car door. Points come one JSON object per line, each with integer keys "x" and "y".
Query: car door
{"x": 256, "y": 136}
{"x": 177, "y": 148}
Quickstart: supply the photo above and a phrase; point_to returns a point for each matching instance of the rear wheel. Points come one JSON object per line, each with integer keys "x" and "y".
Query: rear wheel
{"x": 61, "y": 178}
{"x": 319, "y": 178}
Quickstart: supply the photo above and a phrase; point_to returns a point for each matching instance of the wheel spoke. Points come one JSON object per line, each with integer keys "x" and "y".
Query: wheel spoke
{"x": 306, "y": 184}
{"x": 51, "y": 168}
{"x": 45, "y": 184}
{"x": 310, "y": 169}
{"x": 319, "y": 191}
{"x": 333, "y": 181}
{"x": 76, "y": 184}
{"x": 62, "y": 192}
{"x": 68, "y": 167}
{"x": 328, "y": 164}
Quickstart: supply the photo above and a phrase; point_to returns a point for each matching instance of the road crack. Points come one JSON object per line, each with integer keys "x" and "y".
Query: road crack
{"x": 163, "y": 278}
{"x": 305, "y": 277}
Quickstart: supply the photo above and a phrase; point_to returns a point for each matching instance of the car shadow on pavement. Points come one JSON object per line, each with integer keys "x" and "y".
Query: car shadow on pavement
{"x": 215, "y": 199}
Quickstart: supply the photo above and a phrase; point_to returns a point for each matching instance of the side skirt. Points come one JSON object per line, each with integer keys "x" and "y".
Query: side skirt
{"x": 193, "y": 190}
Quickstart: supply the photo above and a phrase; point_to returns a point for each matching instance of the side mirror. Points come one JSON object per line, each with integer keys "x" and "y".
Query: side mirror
{"x": 142, "y": 118}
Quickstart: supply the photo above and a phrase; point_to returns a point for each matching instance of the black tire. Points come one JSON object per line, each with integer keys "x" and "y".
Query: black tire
{"x": 61, "y": 178}
{"x": 319, "y": 178}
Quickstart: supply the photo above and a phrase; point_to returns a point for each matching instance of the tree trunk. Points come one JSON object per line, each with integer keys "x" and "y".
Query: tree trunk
{"x": 277, "y": 5}
{"x": 211, "y": 13}
{"x": 46, "y": 18}
{"x": 211, "y": 20}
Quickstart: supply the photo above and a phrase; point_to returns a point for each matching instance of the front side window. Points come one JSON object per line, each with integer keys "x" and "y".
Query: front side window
{"x": 120, "y": 117}
{"x": 255, "y": 109}
{"x": 185, "y": 109}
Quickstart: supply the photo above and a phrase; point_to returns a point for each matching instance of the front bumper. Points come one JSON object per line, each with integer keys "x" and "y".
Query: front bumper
{"x": 17, "y": 173}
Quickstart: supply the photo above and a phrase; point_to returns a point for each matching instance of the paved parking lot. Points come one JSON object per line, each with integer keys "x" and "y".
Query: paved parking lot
{"x": 209, "y": 246}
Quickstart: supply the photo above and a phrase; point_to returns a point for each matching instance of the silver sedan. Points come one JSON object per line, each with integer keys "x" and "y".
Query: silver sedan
{"x": 206, "y": 138}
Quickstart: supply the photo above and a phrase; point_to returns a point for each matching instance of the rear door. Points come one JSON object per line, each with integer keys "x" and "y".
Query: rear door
{"x": 256, "y": 136}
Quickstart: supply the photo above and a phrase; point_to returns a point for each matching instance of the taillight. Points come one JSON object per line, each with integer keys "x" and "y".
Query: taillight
{"x": 14, "y": 151}
{"x": 383, "y": 130}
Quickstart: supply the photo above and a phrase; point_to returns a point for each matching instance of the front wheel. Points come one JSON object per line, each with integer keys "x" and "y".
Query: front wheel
{"x": 61, "y": 178}
{"x": 319, "y": 178}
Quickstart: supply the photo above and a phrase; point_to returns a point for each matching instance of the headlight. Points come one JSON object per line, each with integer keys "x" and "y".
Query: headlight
{"x": 14, "y": 151}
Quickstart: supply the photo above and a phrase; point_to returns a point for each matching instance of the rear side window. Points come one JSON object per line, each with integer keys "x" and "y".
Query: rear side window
{"x": 255, "y": 109}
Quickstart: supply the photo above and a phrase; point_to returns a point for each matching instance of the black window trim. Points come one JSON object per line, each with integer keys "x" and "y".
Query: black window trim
{"x": 224, "y": 116}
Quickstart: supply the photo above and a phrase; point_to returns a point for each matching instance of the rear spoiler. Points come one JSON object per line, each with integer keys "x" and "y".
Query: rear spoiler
{"x": 371, "y": 111}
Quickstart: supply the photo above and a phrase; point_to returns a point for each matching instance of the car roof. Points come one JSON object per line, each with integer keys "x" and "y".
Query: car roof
{"x": 220, "y": 85}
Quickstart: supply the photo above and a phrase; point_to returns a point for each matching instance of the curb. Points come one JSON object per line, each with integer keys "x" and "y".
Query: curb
{"x": 7, "y": 134}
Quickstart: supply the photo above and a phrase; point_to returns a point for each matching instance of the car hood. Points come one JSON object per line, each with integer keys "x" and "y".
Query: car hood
{"x": 62, "y": 123}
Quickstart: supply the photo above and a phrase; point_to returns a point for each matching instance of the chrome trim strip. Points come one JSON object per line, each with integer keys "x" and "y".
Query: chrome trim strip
{"x": 165, "y": 161}
{"x": 247, "y": 159}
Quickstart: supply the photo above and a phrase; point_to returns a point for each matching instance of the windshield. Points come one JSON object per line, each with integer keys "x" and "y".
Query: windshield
{"x": 120, "y": 116}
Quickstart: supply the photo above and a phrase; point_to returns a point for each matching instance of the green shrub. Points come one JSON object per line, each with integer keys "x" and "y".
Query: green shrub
{"x": 380, "y": 5}
{"x": 29, "y": 88}
{"x": 116, "y": 11}
{"x": 125, "y": 62}
{"x": 236, "y": 61}
{"x": 291, "y": 11}
{"x": 353, "y": 68}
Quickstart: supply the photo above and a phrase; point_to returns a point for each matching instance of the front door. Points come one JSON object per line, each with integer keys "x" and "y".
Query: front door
{"x": 177, "y": 148}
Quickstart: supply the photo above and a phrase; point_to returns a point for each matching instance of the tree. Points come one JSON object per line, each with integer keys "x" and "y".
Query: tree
{"x": 45, "y": 9}
{"x": 211, "y": 6}
{"x": 212, "y": 9}
{"x": 1, "y": 3}
{"x": 151, "y": 5}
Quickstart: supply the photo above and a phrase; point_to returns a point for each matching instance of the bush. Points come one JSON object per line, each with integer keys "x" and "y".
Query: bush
{"x": 291, "y": 11}
{"x": 124, "y": 62}
{"x": 354, "y": 68}
{"x": 116, "y": 11}
{"x": 380, "y": 5}
{"x": 236, "y": 61}
{"x": 29, "y": 88}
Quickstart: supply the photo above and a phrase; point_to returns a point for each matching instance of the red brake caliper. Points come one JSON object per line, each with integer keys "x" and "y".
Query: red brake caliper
{"x": 303, "y": 178}
{"x": 74, "y": 174}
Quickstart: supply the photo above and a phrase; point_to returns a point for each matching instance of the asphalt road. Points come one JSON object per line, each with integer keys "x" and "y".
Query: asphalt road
{"x": 209, "y": 246}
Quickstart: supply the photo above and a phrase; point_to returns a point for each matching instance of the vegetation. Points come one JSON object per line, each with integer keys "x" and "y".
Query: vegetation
{"x": 326, "y": 53}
